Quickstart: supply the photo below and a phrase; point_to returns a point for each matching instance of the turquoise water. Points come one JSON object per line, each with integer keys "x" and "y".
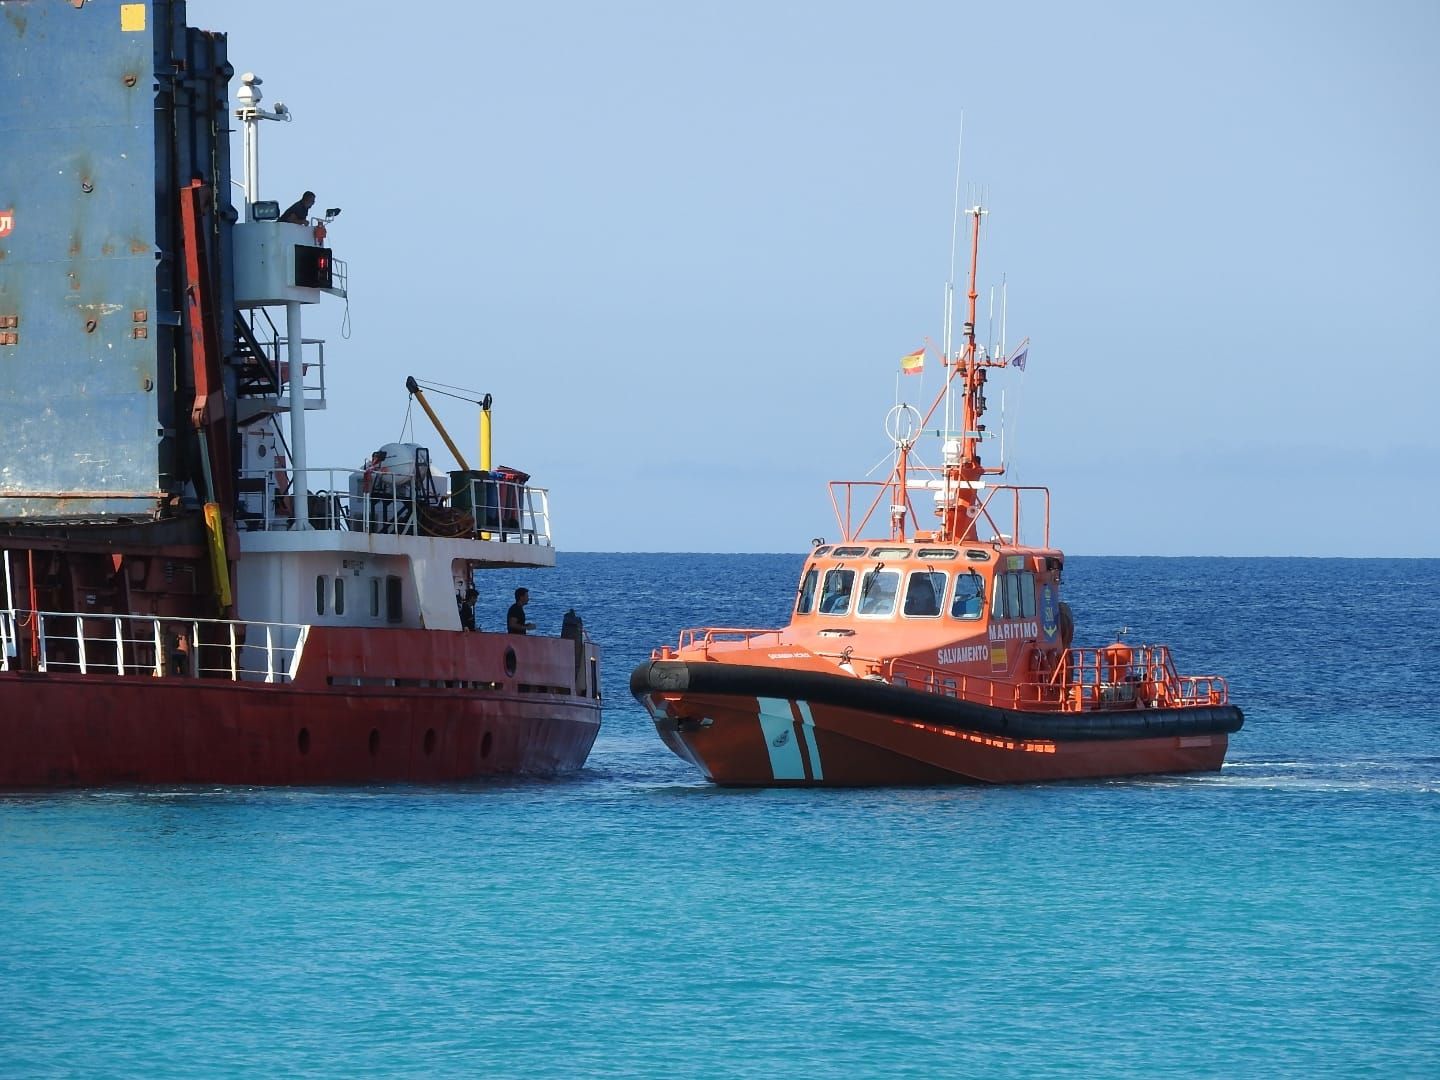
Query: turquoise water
{"x": 1279, "y": 918}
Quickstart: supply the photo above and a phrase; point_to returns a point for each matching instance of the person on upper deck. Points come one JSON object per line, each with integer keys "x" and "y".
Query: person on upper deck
{"x": 515, "y": 618}
{"x": 299, "y": 212}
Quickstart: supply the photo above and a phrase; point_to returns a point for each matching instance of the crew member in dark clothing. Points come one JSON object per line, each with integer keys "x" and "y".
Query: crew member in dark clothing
{"x": 299, "y": 213}
{"x": 467, "y": 608}
{"x": 515, "y": 617}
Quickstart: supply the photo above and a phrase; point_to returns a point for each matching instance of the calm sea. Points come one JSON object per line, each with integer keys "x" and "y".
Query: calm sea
{"x": 1280, "y": 918}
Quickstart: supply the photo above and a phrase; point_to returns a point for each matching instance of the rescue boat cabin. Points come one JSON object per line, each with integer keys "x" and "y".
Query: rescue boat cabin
{"x": 981, "y": 608}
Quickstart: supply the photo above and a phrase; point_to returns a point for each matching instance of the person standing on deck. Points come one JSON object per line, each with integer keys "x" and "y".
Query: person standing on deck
{"x": 515, "y": 618}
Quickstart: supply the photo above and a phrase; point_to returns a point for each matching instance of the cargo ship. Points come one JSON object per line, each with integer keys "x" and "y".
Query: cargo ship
{"x": 938, "y": 649}
{"x": 186, "y": 598}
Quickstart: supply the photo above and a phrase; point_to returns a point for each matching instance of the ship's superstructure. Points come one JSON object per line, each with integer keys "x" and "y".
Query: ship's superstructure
{"x": 186, "y": 596}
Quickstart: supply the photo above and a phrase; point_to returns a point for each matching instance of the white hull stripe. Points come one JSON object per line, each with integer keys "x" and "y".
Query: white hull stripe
{"x": 807, "y": 725}
{"x": 777, "y": 724}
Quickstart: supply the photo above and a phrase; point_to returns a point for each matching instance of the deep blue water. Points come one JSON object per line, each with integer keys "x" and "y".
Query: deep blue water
{"x": 1281, "y": 918}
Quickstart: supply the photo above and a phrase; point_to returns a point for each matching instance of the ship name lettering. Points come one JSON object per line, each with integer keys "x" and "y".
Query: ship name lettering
{"x": 964, "y": 654}
{"x": 1014, "y": 631}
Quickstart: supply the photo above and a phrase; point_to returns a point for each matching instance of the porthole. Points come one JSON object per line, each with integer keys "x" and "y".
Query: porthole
{"x": 509, "y": 661}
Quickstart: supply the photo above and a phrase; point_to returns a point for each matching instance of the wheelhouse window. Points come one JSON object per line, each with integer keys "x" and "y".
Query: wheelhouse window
{"x": 835, "y": 594}
{"x": 806, "y": 603}
{"x": 923, "y": 594}
{"x": 969, "y": 599}
{"x": 878, "y": 589}
{"x": 1014, "y": 595}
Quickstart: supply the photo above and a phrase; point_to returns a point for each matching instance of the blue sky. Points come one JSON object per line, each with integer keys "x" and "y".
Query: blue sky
{"x": 685, "y": 245}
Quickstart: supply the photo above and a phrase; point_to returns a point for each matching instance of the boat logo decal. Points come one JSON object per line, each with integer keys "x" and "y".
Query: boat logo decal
{"x": 7, "y": 221}
{"x": 1049, "y": 612}
{"x": 780, "y": 740}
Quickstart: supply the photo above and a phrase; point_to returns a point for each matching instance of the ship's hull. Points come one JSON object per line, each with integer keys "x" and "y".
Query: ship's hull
{"x": 755, "y": 726}
{"x": 456, "y": 717}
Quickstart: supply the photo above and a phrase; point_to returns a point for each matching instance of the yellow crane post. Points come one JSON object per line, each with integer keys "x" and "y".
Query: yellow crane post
{"x": 419, "y": 395}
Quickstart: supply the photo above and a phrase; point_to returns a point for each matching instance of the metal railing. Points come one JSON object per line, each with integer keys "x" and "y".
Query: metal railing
{"x": 704, "y": 636}
{"x": 152, "y": 646}
{"x": 1002, "y": 510}
{"x": 1083, "y": 680}
{"x": 1120, "y": 675}
{"x": 276, "y": 348}
{"x": 349, "y": 500}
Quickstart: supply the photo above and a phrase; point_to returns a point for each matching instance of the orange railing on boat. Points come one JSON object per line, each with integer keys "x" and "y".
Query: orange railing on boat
{"x": 1083, "y": 680}
{"x": 1006, "y": 523}
{"x": 702, "y": 637}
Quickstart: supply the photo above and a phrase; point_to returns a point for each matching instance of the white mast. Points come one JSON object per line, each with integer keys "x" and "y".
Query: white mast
{"x": 250, "y": 114}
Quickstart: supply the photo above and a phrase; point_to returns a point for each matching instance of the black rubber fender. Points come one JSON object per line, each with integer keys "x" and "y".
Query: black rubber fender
{"x": 846, "y": 691}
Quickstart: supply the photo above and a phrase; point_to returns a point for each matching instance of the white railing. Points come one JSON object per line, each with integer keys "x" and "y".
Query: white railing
{"x": 312, "y": 368}
{"x": 154, "y": 646}
{"x": 347, "y": 499}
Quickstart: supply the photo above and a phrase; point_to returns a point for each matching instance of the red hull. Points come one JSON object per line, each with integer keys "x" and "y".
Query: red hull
{"x": 71, "y": 730}
{"x": 737, "y": 741}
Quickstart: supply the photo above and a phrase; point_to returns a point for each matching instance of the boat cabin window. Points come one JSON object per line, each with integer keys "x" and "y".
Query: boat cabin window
{"x": 936, "y": 553}
{"x": 977, "y": 555}
{"x": 1014, "y": 595}
{"x": 806, "y": 602}
{"x": 923, "y": 594}
{"x": 969, "y": 599}
{"x": 394, "y": 611}
{"x": 877, "y": 592}
{"x": 339, "y": 596}
{"x": 320, "y": 595}
{"x": 821, "y": 551}
{"x": 849, "y": 552}
{"x": 374, "y": 597}
{"x": 835, "y": 596}
{"x": 890, "y": 553}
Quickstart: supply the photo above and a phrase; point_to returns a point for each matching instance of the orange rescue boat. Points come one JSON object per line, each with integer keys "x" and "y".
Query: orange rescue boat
{"x": 936, "y": 655}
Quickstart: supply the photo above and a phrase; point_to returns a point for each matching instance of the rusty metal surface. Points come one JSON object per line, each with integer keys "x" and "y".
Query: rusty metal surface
{"x": 88, "y": 260}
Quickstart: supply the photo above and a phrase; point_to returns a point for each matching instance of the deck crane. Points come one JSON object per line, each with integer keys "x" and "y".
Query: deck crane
{"x": 418, "y": 392}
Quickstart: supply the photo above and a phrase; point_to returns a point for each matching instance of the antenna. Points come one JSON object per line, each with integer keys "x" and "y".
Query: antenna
{"x": 990, "y": 324}
{"x": 949, "y": 320}
{"x": 1004, "y": 309}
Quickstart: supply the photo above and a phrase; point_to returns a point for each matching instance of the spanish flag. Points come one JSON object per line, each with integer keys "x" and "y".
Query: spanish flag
{"x": 913, "y": 363}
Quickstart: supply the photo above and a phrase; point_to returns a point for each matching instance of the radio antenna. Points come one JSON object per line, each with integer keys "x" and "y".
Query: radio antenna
{"x": 949, "y": 320}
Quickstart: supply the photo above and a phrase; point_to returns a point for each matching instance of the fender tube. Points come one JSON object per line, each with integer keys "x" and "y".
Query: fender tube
{"x": 868, "y": 695}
